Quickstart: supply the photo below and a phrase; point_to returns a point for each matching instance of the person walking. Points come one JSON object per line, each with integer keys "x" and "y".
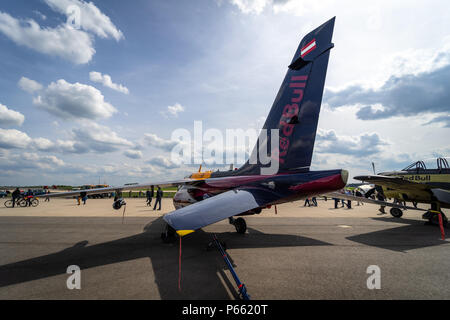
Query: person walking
{"x": 47, "y": 199}
{"x": 15, "y": 196}
{"x": 307, "y": 202}
{"x": 314, "y": 201}
{"x": 159, "y": 195}
{"x": 149, "y": 198}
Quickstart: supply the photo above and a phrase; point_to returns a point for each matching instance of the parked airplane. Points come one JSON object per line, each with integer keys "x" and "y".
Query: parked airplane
{"x": 416, "y": 183}
{"x": 208, "y": 197}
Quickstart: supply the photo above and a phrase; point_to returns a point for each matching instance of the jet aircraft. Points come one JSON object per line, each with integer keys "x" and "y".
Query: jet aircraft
{"x": 208, "y": 197}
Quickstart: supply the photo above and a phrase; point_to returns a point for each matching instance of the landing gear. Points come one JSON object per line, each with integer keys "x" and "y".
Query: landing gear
{"x": 433, "y": 218}
{"x": 396, "y": 212}
{"x": 168, "y": 236}
{"x": 239, "y": 224}
{"x": 432, "y": 215}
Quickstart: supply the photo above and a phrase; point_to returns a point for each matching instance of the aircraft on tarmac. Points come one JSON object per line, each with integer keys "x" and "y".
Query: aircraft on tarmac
{"x": 417, "y": 183}
{"x": 208, "y": 197}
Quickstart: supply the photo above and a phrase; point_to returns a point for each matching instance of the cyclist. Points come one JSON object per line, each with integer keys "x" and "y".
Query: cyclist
{"x": 15, "y": 196}
{"x": 29, "y": 197}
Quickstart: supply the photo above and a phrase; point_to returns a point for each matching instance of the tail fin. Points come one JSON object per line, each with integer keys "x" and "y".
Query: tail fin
{"x": 295, "y": 111}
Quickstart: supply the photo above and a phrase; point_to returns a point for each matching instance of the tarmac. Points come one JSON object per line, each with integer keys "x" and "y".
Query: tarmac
{"x": 298, "y": 253}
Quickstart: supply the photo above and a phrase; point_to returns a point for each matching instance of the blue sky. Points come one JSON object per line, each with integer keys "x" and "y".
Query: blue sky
{"x": 102, "y": 101}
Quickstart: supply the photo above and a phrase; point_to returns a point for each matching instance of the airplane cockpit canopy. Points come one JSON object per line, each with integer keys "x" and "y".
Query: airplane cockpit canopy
{"x": 429, "y": 165}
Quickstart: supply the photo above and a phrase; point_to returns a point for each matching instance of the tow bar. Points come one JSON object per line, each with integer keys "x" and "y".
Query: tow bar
{"x": 240, "y": 285}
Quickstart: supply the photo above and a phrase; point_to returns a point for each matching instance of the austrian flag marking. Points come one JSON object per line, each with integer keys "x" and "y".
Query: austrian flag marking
{"x": 308, "y": 48}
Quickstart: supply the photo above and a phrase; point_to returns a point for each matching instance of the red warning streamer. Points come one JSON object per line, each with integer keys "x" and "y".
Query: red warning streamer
{"x": 441, "y": 225}
{"x": 179, "y": 268}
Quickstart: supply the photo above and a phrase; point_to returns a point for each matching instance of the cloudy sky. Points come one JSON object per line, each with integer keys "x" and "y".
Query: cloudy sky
{"x": 97, "y": 98}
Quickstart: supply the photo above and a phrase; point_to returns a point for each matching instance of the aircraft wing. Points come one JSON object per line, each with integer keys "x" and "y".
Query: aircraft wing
{"x": 339, "y": 195}
{"x": 219, "y": 207}
{"x": 394, "y": 182}
{"x": 121, "y": 188}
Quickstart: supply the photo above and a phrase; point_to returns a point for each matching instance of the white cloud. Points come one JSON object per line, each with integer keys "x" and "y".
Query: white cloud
{"x": 43, "y": 144}
{"x": 13, "y": 139}
{"x": 40, "y": 14}
{"x": 30, "y": 160}
{"x": 362, "y": 145}
{"x": 133, "y": 154}
{"x": 74, "y": 101}
{"x": 173, "y": 110}
{"x": 91, "y": 18}
{"x": 251, "y": 6}
{"x": 10, "y": 117}
{"x": 99, "y": 138}
{"x": 163, "y": 162}
{"x": 45, "y": 161}
{"x": 107, "y": 82}
{"x": 89, "y": 137}
{"x": 153, "y": 140}
{"x": 63, "y": 41}
{"x": 29, "y": 85}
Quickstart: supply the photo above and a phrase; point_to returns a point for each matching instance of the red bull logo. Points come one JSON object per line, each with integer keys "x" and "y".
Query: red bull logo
{"x": 290, "y": 113}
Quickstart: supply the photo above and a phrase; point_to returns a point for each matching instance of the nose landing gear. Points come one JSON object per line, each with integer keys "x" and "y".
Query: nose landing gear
{"x": 168, "y": 235}
{"x": 239, "y": 224}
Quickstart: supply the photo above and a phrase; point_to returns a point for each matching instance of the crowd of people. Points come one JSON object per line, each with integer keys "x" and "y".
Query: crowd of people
{"x": 149, "y": 194}
{"x": 312, "y": 201}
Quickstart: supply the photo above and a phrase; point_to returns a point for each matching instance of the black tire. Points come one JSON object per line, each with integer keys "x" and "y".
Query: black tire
{"x": 435, "y": 220}
{"x": 21, "y": 203}
{"x": 9, "y": 203}
{"x": 168, "y": 236}
{"x": 396, "y": 212}
{"x": 240, "y": 225}
{"x": 34, "y": 202}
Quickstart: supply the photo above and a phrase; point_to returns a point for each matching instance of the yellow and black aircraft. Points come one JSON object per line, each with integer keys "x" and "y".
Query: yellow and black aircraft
{"x": 417, "y": 183}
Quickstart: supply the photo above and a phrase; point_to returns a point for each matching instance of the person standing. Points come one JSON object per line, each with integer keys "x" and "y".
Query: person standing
{"x": 359, "y": 194}
{"x": 15, "y": 196}
{"x": 47, "y": 192}
{"x": 336, "y": 201}
{"x": 29, "y": 197}
{"x": 83, "y": 196}
{"x": 159, "y": 195}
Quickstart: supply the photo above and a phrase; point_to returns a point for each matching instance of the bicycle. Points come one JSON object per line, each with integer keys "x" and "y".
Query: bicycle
{"x": 34, "y": 201}
{"x": 22, "y": 202}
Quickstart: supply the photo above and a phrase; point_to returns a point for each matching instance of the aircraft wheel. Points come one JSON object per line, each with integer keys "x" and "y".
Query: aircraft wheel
{"x": 435, "y": 219}
{"x": 240, "y": 225}
{"x": 168, "y": 235}
{"x": 396, "y": 212}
